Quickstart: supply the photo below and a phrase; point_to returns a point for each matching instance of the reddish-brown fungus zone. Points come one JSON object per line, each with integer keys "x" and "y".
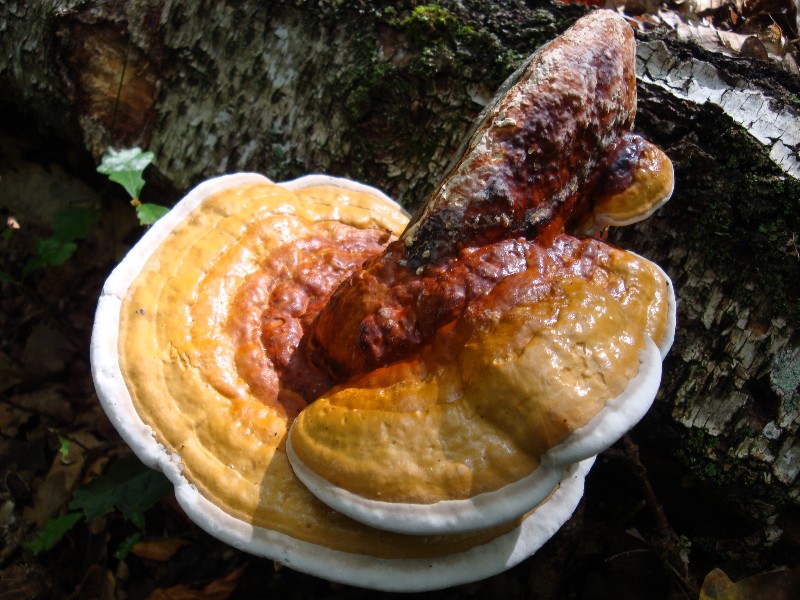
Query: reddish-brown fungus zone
{"x": 386, "y": 312}
{"x": 531, "y": 169}
{"x": 530, "y": 158}
{"x": 552, "y": 143}
{"x": 276, "y": 308}
{"x": 366, "y": 407}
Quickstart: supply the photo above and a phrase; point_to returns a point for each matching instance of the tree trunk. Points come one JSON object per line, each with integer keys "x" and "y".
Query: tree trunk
{"x": 729, "y": 402}
{"x": 385, "y": 94}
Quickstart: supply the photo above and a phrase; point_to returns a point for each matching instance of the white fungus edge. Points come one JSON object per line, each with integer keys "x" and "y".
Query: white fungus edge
{"x": 490, "y": 509}
{"x": 406, "y": 575}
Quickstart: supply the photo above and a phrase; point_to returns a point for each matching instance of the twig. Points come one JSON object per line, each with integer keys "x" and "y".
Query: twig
{"x": 665, "y": 541}
{"x": 119, "y": 87}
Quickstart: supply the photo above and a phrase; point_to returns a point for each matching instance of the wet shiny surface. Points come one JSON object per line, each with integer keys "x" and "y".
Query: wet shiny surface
{"x": 520, "y": 345}
{"x": 179, "y": 361}
{"x": 388, "y": 311}
{"x": 481, "y": 339}
{"x": 276, "y": 306}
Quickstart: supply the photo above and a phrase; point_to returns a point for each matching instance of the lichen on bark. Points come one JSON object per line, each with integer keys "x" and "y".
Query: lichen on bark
{"x": 728, "y": 407}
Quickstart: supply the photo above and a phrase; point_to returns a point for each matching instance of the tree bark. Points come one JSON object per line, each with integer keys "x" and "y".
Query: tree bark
{"x": 729, "y": 401}
{"x": 385, "y": 94}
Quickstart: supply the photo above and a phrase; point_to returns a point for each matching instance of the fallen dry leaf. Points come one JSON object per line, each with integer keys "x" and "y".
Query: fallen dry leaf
{"x": 49, "y": 402}
{"x": 783, "y": 584}
{"x": 62, "y": 478}
{"x": 46, "y": 351}
{"x": 10, "y": 373}
{"x": 24, "y": 582}
{"x": 159, "y": 550}
{"x": 11, "y": 419}
{"x": 763, "y": 29}
{"x": 98, "y": 584}
{"x": 219, "y": 589}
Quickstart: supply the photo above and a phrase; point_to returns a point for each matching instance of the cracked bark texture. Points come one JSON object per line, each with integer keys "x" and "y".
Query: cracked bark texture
{"x": 384, "y": 94}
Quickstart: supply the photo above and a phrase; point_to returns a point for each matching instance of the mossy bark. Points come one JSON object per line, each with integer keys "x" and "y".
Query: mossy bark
{"x": 384, "y": 94}
{"x": 729, "y": 405}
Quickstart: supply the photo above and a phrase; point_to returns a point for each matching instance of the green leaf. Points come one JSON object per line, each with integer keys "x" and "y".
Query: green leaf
{"x": 129, "y": 487}
{"x": 74, "y": 223}
{"x": 150, "y": 213}
{"x": 8, "y": 278}
{"x": 126, "y": 545}
{"x": 125, "y": 167}
{"x": 50, "y": 252}
{"x": 52, "y": 532}
{"x": 64, "y": 446}
{"x": 53, "y": 251}
{"x": 68, "y": 225}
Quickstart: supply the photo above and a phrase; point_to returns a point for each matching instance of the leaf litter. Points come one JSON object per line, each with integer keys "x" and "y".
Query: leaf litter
{"x": 761, "y": 29}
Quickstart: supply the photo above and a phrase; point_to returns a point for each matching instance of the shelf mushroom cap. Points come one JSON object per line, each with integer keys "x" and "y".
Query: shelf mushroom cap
{"x": 222, "y": 446}
{"x": 488, "y": 509}
{"x": 489, "y": 349}
{"x": 419, "y": 449}
{"x": 364, "y": 397}
{"x": 638, "y": 180}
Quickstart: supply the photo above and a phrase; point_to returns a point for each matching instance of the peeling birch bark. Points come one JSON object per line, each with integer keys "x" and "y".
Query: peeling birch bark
{"x": 730, "y": 402}
{"x": 700, "y": 82}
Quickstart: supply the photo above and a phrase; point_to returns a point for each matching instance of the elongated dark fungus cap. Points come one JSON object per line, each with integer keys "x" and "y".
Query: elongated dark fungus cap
{"x": 488, "y": 349}
{"x": 403, "y": 405}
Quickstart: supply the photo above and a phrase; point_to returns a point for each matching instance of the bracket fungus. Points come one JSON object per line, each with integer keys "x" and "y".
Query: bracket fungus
{"x": 282, "y": 350}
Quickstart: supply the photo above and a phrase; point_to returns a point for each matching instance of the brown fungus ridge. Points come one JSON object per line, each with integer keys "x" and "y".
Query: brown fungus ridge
{"x": 634, "y": 179}
{"x": 552, "y": 153}
{"x": 386, "y": 312}
{"x": 276, "y": 306}
{"x": 176, "y": 357}
{"x": 526, "y": 164}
